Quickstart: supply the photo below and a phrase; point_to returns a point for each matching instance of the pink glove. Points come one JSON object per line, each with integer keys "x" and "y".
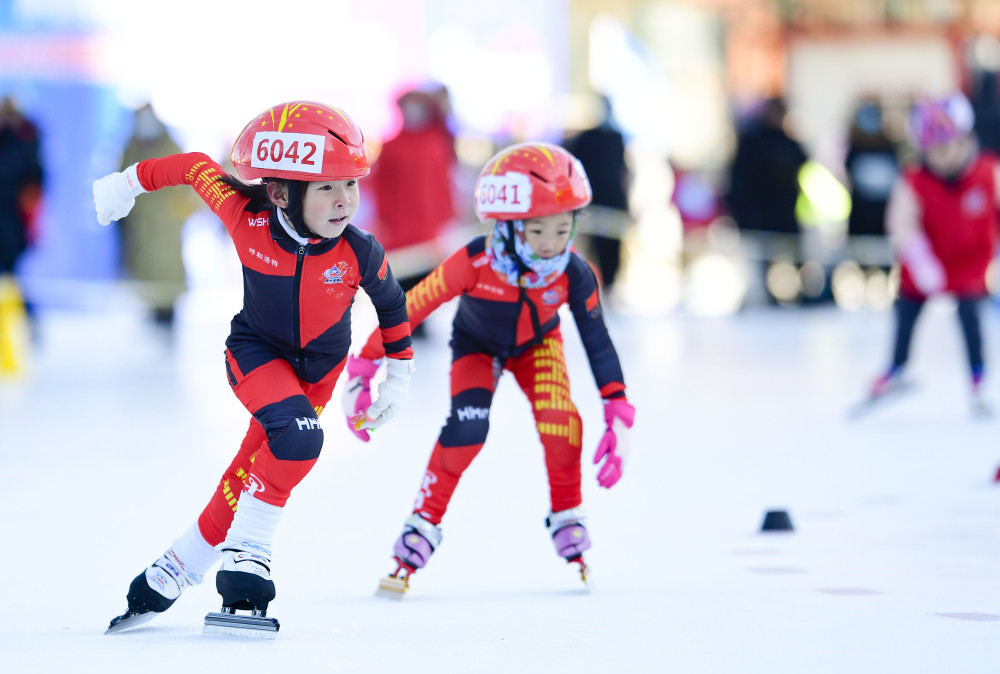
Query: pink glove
{"x": 358, "y": 393}
{"x": 613, "y": 448}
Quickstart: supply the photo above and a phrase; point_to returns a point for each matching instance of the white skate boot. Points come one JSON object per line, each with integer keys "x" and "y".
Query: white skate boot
{"x": 155, "y": 590}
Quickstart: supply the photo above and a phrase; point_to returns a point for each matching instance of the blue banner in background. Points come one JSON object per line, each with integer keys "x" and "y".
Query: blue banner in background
{"x": 80, "y": 123}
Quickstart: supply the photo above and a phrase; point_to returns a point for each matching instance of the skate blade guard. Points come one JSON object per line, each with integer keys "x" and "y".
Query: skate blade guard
{"x": 252, "y": 626}
{"x": 129, "y": 620}
{"x": 391, "y": 587}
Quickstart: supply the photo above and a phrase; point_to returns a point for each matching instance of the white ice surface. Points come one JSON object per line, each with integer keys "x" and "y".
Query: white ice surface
{"x": 114, "y": 443}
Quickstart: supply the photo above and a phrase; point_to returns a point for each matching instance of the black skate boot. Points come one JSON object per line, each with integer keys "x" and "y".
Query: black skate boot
{"x": 154, "y": 591}
{"x": 244, "y": 581}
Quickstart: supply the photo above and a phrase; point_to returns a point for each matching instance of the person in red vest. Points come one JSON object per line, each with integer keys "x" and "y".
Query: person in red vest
{"x": 942, "y": 222}
{"x": 412, "y": 184}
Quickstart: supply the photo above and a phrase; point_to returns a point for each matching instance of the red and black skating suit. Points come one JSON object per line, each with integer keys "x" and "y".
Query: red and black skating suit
{"x": 289, "y": 343}
{"x": 497, "y": 327}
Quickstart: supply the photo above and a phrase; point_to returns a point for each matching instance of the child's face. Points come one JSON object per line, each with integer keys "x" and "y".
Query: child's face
{"x": 327, "y": 207}
{"x": 549, "y": 234}
{"x": 948, "y": 159}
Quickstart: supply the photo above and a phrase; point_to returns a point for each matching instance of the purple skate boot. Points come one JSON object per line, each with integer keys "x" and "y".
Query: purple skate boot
{"x": 411, "y": 551}
{"x": 570, "y": 537}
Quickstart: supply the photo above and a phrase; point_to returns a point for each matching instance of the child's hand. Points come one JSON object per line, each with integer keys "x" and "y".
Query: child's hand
{"x": 115, "y": 193}
{"x": 358, "y": 394}
{"x": 613, "y": 448}
{"x": 391, "y": 393}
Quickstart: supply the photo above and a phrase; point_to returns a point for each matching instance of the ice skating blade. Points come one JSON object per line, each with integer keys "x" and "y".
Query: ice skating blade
{"x": 870, "y": 404}
{"x": 391, "y": 587}
{"x": 241, "y": 625}
{"x": 126, "y": 621}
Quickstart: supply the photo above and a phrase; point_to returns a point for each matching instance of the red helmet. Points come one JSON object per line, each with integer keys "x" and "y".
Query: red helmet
{"x": 530, "y": 180}
{"x": 301, "y": 140}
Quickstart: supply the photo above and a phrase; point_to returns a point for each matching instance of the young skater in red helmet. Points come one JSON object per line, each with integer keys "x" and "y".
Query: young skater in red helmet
{"x": 511, "y": 285}
{"x": 303, "y": 263}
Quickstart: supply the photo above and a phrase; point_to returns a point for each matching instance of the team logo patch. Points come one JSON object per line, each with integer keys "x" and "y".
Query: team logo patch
{"x": 253, "y": 485}
{"x": 335, "y": 274}
{"x": 383, "y": 270}
{"x": 974, "y": 201}
{"x": 425, "y": 489}
{"x": 552, "y": 296}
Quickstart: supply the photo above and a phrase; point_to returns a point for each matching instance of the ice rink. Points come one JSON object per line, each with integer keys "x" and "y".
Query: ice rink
{"x": 116, "y": 440}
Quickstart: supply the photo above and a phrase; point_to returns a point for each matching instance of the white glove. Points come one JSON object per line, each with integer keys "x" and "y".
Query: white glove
{"x": 926, "y": 270}
{"x": 115, "y": 193}
{"x": 391, "y": 393}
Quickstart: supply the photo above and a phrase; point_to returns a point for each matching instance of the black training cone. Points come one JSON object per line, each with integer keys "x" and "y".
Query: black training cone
{"x": 777, "y": 520}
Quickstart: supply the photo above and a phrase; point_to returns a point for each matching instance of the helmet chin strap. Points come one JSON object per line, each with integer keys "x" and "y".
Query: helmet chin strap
{"x": 296, "y": 193}
{"x": 511, "y": 247}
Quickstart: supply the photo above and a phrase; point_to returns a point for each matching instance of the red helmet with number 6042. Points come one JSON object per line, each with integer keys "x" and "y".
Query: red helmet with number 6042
{"x": 301, "y": 140}
{"x": 530, "y": 180}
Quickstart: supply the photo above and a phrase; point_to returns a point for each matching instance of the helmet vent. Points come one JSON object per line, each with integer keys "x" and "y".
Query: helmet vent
{"x": 538, "y": 176}
{"x": 336, "y": 136}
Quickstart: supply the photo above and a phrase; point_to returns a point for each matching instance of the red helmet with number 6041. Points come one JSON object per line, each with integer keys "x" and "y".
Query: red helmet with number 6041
{"x": 530, "y": 180}
{"x": 301, "y": 140}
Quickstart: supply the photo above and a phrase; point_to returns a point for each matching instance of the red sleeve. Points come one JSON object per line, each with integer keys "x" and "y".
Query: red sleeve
{"x": 200, "y": 172}
{"x": 449, "y": 279}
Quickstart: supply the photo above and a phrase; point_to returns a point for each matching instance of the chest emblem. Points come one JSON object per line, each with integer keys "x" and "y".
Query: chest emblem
{"x": 974, "y": 201}
{"x": 336, "y": 273}
{"x": 552, "y": 296}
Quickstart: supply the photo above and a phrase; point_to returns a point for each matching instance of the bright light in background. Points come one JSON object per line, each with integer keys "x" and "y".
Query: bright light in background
{"x": 855, "y": 288}
{"x": 494, "y": 87}
{"x": 651, "y": 274}
{"x": 716, "y": 285}
{"x": 621, "y": 68}
{"x": 783, "y": 281}
{"x": 234, "y": 64}
{"x": 848, "y": 281}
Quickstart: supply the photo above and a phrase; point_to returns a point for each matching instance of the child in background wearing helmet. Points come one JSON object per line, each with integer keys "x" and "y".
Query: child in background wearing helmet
{"x": 511, "y": 285}
{"x": 942, "y": 223}
{"x": 302, "y": 265}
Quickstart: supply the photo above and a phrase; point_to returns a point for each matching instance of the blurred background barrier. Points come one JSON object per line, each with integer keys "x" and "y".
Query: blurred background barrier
{"x": 693, "y": 87}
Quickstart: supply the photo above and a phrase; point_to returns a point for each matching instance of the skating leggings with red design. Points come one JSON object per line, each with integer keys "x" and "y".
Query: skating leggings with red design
{"x": 283, "y": 441}
{"x": 541, "y": 374}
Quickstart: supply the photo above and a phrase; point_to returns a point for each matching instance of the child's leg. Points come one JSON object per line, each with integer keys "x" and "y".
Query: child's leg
{"x": 968, "y": 316}
{"x": 907, "y": 311}
{"x": 541, "y": 374}
{"x": 217, "y": 516}
{"x": 277, "y": 398}
{"x": 473, "y": 382}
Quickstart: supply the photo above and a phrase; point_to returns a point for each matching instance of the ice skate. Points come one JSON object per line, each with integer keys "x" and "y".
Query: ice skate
{"x": 154, "y": 591}
{"x": 411, "y": 551}
{"x": 982, "y": 408}
{"x": 244, "y": 581}
{"x": 571, "y": 539}
{"x": 887, "y": 387}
